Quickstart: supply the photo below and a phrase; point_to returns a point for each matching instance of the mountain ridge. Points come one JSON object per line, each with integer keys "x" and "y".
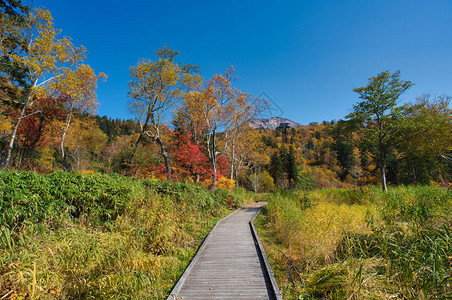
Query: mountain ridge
{"x": 272, "y": 123}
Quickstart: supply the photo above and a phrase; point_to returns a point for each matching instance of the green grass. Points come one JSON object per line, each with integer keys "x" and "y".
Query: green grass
{"x": 360, "y": 243}
{"x": 91, "y": 236}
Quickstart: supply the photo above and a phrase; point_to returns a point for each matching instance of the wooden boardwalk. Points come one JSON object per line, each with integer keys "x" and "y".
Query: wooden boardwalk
{"x": 230, "y": 264}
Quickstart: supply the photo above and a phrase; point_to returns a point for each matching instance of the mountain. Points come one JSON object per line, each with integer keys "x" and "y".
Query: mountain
{"x": 272, "y": 123}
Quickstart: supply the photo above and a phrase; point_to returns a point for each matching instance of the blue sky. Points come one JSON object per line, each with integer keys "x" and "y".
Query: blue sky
{"x": 307, "y": 56}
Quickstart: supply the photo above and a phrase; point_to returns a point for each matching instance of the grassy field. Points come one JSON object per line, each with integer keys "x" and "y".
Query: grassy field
{"x": 360, "y": 243}
{"x": 91, "y": 236}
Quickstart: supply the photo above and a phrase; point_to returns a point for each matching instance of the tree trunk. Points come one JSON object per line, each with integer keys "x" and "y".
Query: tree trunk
{"x": 63, "y": 136}
{"x": 382, "y": 153}
{"x": 253, "y": 179}
{"x": 9, "y": 147}
{"x": 383, "y": 175}
{"x": 256, "y": 183}
{"x": 414, "y": 173}
{"x": 232, "y": 163}
{"x": 214, "y": 161}
{"x": 6, "y": 157}
{"x": 232, "y": 156}
{"x": 234, "y": 166}
{"x": 165, "y": 157}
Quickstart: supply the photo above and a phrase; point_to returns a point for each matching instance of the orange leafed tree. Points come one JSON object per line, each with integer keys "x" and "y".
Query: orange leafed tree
{"x": 213, "y": 106}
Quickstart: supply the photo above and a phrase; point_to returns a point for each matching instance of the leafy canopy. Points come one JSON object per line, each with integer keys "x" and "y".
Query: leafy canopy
{"x": 377, "y": 117}
{"x": 379, "y": 98}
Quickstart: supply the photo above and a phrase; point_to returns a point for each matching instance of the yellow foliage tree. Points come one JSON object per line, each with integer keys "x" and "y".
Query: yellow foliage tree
{"x": 84, "y": 139}
{"x": 155, "y": 88}
{"x": 53, "y": 68}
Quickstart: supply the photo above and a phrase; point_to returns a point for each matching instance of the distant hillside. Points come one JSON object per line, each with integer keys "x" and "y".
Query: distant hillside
{"x": 272, "y": 123}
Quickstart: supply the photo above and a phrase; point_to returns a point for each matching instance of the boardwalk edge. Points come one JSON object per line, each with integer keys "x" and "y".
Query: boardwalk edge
{"x": 268, "y": 269}
{"x": 176, "y": 290}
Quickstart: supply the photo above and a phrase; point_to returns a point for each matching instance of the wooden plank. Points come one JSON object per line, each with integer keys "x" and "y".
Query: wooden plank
{"x": 229, "y": 265}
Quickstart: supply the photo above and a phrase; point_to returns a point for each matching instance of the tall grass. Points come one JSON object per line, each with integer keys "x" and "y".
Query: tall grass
{"x": 361, "y": 243}
{"x": 72, "y": 235}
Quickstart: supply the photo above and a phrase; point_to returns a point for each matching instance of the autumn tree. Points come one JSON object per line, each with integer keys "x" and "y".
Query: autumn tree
{"x": 260, "y": 181}
{"x": 204, "y": 108}
{"x": 155, "y": 88}
{"x": 239, "y": 111}
{"x": 52, "y": 68}
{"x": 433, "y": 118}
{"x": 255, "y": 180}
{"x": 189, "y": 158}
{"x": 85, "y": 141}
{"x": 213, "y": 106}
{"x": 376, "y": 117}
{"x": 79, "y": 87}
{"x": 250, "y": 154}
{"x": 31, "y": 134}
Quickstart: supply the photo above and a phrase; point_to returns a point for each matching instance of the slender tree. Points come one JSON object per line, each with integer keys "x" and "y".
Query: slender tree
{"x": 240, "y": 111}
{"x": 213, "y": 106}
{"x": 255, "y": 180}
{"x": 80, "y": 87}
{"x": 85, "y": 141}
{"x": 155, "y": 88}
{"x": 376, "y": 118}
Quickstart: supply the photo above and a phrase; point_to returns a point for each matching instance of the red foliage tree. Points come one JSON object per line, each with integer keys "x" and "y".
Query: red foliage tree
{"x": 222, "y": 166}
{"x": 30, "y": 134}
{"x": 190, "y": 160}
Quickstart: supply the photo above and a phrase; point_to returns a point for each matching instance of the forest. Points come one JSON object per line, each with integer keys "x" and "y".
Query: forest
{"x": 187, "y": 128}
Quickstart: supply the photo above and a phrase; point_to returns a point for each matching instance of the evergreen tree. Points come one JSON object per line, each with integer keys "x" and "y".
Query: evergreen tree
{"x": 345, "y": 157}
{"x": 277, "y": 170}
{"x": 344, "y": 149}
{"x": 291, "y": 167}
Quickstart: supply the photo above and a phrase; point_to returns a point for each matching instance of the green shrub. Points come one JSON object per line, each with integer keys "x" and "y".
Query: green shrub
{"x": 33, "y": 197}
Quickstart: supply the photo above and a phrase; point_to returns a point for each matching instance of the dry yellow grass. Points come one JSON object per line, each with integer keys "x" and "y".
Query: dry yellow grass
{"x": 313, "y": 233}
{"x": 360, "y": 243}
{"x": 324, "y": 225}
